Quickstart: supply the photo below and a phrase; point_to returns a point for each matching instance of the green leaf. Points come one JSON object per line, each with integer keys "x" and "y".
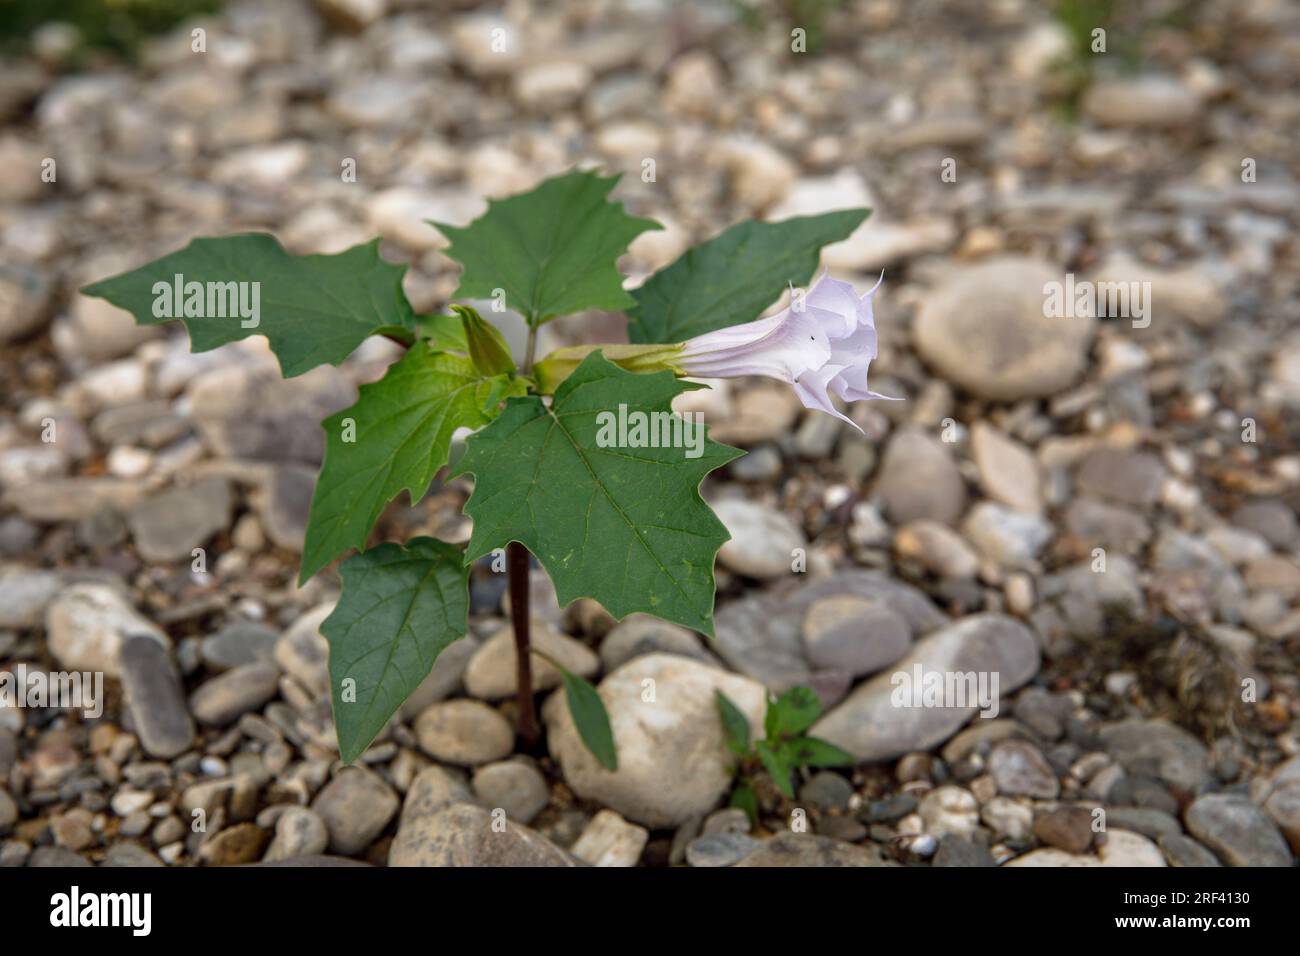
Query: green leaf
{"x": 401, "y": 427}
{"x": 734, "y": 276}
{"x": 487, "y": 346}
{"x": 589, "y": 717}
{"x": 552, "y": 249}
{"x": 746, "y": 799}
{"x": 623, "y": 525}
{"x": 735, "y": 725}
{"x": 815, "y": 752}
{"x": 399, "y": 608}
{"x": 778, "y": 766}
{"x": 445, "y": 332}
{"x": 314, "y": 310}
{"x": 792, "y": 713}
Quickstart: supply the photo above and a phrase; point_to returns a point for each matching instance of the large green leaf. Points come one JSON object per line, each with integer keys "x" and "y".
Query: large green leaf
{"x": 552, "y": 249}
{"x": 400, "y": 430}
{"x": 314, "y": 310}
{"x": 734, "y": 276}
{"x": 623, "y": 525}
{"x": 399, "y": 608}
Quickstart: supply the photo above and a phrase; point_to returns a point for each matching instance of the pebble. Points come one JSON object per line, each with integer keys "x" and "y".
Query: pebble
{"x": 8, "y": 811}
{"x": 155, "y": 698}
{"x": 1067, "y": 828}
{"x": 1121, "y": 848}
{"x": 983, "y": 329}
{"x": 826, "y": 791}
{"x": 936, "y": 548}
{"x": 1020, "y": 770}
{"x": 465, "y": 835}
{"x": 464, "y": 732}
{"x": 954, "y": 850}
{"x": 355, "y": 807}
{"x": 871, "y": 726}
{"x": 283, "y": 505}
{"x": 224, "y": 699}
{"x": 853, "y": 634}
{"x": 87, "y": 624}
{"x": 673, "y": 762}
{"x": 299, "y": 832}
{"x": 130, "y": 854}
{"x": 640, "y": 634}
{"x": 763, "y": 540}
{"x": 1144, "y": 101}
{"x": 949, "y": 810}
{"x": 547, "y": 87}
{"x": 726, "y": 820}
{"x": 1272, "y": 520}
{"x": 762, "y": 635}
{"x": 805, "y": 850}
{"x": 609, "y": 840}
{"x": 1008, "y": 471}
{"x": 490, "y": 674}
{"x": 168, "y": 526}
{"x": 918, "y": 479}
{"x": 1126, "y": 477}
{"x": 239, "y": 844}
{"x": 720, "y": 849}
{"x": 24, "y": 596}
{"x": 1159, "y": 748}
{"x": 1011, "y": 539}
{"x": 513, "y": 786}
{"x": 239, "y": 643}
{"x": 1238, "y": 830}
{"x": 303, "y": 652}
{"x": 1184, "y": 851}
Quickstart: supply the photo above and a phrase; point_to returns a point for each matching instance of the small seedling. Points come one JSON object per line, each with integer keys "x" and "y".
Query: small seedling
{"x": 784, "y": 749}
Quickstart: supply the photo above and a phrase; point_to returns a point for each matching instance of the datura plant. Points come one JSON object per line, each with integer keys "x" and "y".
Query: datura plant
{"x": 577, "y": 458}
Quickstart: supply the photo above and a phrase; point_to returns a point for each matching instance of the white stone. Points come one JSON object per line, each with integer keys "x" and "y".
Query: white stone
{"x": 673, "y": 761}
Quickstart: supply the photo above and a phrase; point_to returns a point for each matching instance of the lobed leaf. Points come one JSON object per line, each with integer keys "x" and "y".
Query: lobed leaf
{"x": 313, "y": 310}
{"x": 553, "y": 249}
{"x": 399, "y": 608}
{"x": 400, "y": 431}
{"x": 734, "y": 276}
{"x": 623, "y": 525}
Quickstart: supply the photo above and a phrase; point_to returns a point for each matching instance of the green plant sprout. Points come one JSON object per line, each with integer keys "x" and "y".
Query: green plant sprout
{"x": 784, "y": 749}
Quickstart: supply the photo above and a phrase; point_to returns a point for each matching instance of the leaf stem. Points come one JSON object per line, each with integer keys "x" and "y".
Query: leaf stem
{"x": 517, "y": 568}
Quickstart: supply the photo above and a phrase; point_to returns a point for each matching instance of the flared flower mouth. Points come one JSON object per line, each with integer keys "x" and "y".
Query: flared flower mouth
{"x": 822, "y": 345}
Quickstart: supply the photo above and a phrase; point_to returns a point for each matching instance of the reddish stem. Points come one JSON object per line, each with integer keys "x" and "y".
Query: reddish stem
{"x": 517, "y": 568}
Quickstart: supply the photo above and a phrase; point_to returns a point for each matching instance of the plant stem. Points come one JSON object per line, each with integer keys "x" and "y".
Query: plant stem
{"x": 517, "y": 568}
{"x": 530, "y": 352}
